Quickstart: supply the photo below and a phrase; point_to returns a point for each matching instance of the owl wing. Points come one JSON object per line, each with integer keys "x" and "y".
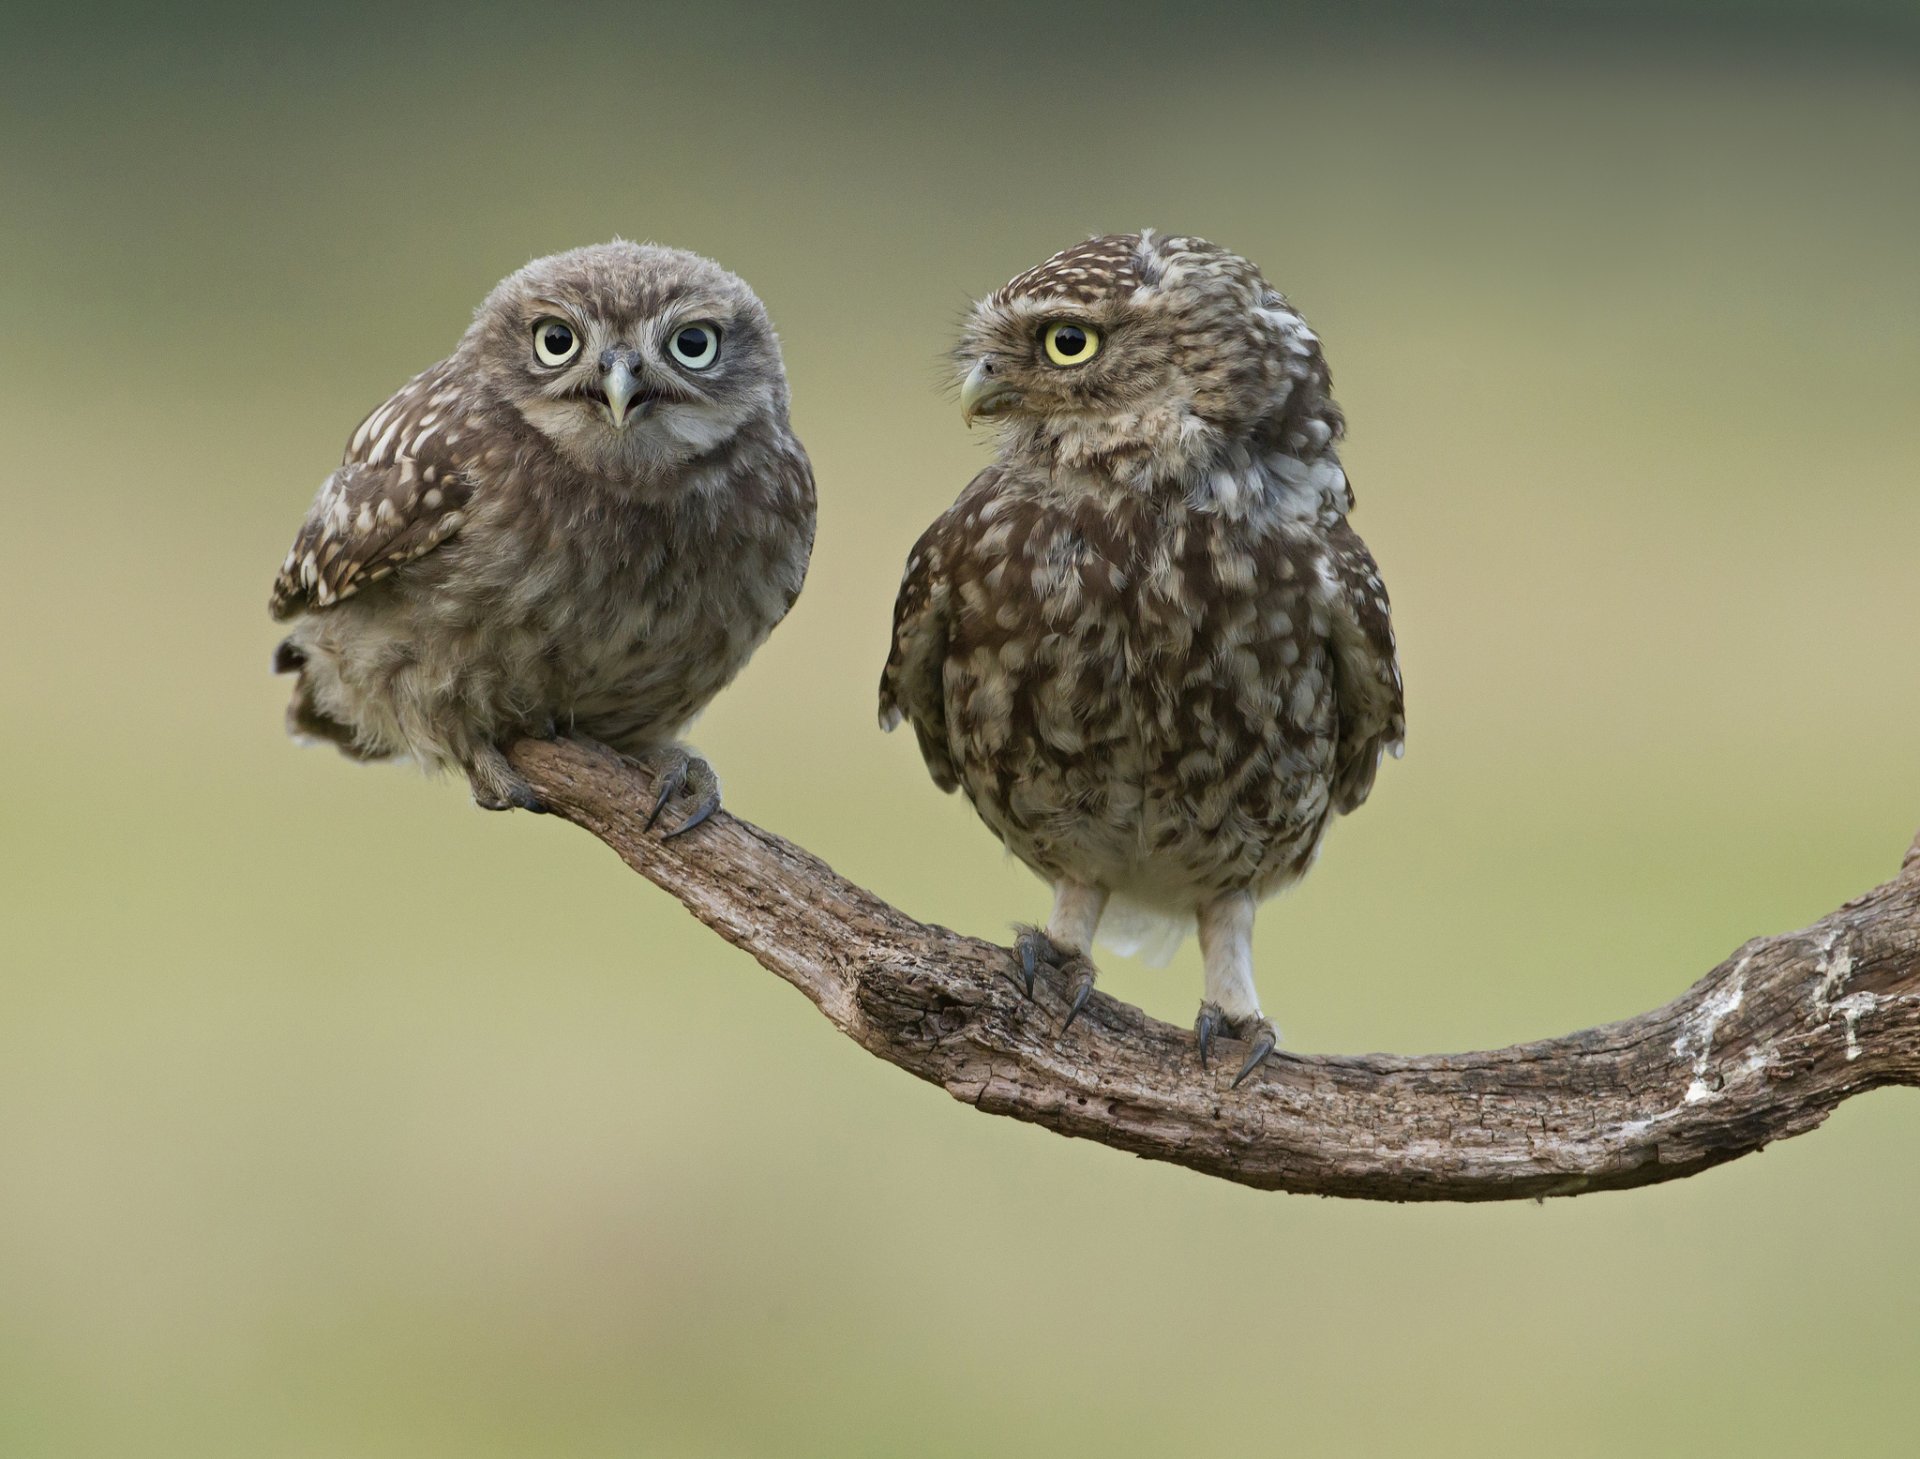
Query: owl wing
{"x": 913, "y": 684}
{"x": 1369, "y": 697}
{"x": 400, "y": 493}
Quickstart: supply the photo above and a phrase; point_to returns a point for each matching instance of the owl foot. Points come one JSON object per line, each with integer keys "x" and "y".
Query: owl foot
{"x": 1257, "y": 1031}
{"x": 679, "y": 772}
{"x": 497, "y": 786}
{"x": 1033, "y": 950}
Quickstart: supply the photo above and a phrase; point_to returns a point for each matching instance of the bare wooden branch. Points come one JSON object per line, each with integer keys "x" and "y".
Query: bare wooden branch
{"x": 1762, "y": 1047}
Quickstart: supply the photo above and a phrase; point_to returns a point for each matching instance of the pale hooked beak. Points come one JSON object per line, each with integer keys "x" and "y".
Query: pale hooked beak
{"x": 984, "y": 393}
{"x": 621, "y": 385}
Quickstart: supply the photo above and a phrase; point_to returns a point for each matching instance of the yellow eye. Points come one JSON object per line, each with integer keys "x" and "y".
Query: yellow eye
{"x": 1071, "y": 344}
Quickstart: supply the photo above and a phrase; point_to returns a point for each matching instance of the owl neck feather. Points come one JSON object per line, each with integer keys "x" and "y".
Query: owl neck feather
{"x": 1297, "y": 477}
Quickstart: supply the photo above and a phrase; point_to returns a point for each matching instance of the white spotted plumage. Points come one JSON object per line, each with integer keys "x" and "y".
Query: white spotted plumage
{"x": 505, "y": 551}
{"x": 1145, "y": 642}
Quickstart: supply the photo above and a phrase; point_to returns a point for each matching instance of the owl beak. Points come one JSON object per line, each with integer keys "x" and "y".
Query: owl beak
{"x": 620, "y": 385}
{"x": 984, "y": 393}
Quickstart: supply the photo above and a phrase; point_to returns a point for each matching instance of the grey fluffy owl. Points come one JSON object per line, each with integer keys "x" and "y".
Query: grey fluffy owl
{"x": 1145, "y": 641}
{"x": 583, "y": 520}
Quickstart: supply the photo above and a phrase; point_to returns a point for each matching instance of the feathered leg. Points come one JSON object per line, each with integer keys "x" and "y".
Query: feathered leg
{"x": 1232, "y": 1003}
{"x": 496, "y": 785}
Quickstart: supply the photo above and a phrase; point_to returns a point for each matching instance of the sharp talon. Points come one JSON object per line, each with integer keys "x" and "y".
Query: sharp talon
{"x": 671, "y": 779}
{"x": 1031, "y": 951}
{"x": 700, "y": 812}
{"x": 678, "y": 772}
{"x": 1083, "y": 990}
{"x": 1263, "y": 1042}
{"x": 514, "y": 798}
{"x": 1204, "y": 1028}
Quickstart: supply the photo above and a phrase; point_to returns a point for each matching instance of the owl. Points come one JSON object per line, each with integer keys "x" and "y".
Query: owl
{"x": 582, "y": 521}
{"x": 1145, "y": 641}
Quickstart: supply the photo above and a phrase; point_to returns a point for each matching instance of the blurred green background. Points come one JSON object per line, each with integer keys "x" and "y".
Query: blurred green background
{"x": 340, "y": 1119}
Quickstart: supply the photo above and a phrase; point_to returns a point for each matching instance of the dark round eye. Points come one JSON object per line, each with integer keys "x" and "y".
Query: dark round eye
{"x": 1071, "y": 344}
{"x": 695, "y": 345}
{"x": 554, "y": 341}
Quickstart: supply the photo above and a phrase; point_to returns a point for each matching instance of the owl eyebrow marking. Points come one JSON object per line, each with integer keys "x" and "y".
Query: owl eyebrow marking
{"x": 693, "y": 308}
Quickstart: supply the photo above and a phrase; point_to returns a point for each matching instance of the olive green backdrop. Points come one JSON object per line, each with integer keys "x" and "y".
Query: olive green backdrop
{"x": 339, "y": 1119}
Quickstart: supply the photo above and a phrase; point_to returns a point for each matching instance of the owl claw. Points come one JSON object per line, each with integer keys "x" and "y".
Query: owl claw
{"x": 516, "y": 798}
{"x": 1206, "y": 1027}
{"x": 1259, "y": 1033}
{"x": 497, "y": 786}
{"x": 1034, "y": 950}
{"x": 1265, "y": 1037}
{"x": 709, "y": 803}
{"x": 1082, "y": 989}
{"x": 676, "y": 770}
{"x": 672, "y": 776}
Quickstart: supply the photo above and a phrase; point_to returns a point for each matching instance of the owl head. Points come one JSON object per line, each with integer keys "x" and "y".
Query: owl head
{"x": 629, "y": 359}
{"x": 1147, "y": 356}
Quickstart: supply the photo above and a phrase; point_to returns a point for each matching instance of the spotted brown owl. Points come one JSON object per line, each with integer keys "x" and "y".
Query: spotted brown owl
{"x": 1145, "y": 641}
{"x": 582, "y": 521}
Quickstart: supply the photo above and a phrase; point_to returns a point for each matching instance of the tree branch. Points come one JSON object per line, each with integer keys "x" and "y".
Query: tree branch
{"x": 1762, "y": 1047}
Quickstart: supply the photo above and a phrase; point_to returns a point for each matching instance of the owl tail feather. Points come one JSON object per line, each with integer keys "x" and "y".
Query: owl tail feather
{"x": 307, "y": 723}
{"x": 1148, "y": 933}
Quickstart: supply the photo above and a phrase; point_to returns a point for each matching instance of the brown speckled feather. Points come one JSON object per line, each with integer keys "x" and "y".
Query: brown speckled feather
{"x": 584, "y": 520}
{"x": 1372, "y": 700}
{"x": 399, "y": 494}
{"x": 912, "y": 685}
{"x": 1117, "y": 682}
{"x": 1145, "y": 643}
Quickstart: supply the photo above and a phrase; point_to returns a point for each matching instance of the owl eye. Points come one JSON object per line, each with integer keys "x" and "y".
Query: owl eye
{"x": 555, "y": 341}
{"x": 1071, "y": 344}
{"x": 695, "y": 345}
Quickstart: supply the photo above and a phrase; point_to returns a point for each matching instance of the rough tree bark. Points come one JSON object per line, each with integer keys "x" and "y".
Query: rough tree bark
{"x": 1762, "y": 1047}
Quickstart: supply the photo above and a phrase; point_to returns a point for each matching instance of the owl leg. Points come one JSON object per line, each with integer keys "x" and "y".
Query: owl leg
{"x": 497, "y": 786}
{"x": 1063, "y": 946}
{"x": 1232, "y": 1003}
{"x": 676, "y": 772}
